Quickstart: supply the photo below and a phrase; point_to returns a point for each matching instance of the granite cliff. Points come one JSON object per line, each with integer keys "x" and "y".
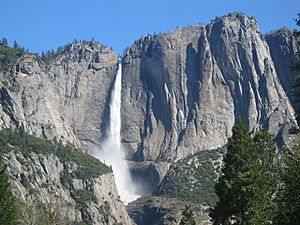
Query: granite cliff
{"x": 56, "y": 184}
{"x": 65, "y": 98}
{"x": 283, "y": 46}
{"x": 186, "y": 88}
{"x": 182, "y": 92}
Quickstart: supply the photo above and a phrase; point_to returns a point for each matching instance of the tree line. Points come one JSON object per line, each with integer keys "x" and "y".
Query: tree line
{"x": 9, "y": 55}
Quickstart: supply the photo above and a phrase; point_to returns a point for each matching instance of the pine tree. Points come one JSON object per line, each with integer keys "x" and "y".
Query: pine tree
{"x": 244, "y": 190}
{"x": 8, "y": 206}
{"x": 231, "y": 188}
{"x": 261, "y": 207}
{"x": 4, "y": 42}
{"x": 187, "y": 216}
{"x": 16, "y": 45}
{"x": 288, "y": 197}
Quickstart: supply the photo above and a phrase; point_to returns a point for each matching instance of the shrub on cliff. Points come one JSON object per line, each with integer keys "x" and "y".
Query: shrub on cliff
{"x": 8, "y": 206}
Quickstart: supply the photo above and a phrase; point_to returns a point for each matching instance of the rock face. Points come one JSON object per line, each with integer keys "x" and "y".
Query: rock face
{"x": 37, "y": 181}
{"x": 164, "y": 211}
{"x": 66, "y": 99}
{"x": 186, "y": 88}
{"x": 283, "y": 47}
{"x": 182, "y": 92}
{"x": 193, "y": 178}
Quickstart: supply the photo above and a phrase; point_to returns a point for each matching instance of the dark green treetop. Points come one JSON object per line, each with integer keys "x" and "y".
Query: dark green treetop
{"x": 288, "y": 196}
{"x": 244, "y": 191}
{"x": 187, "y": 216}
{"x": 8, "y": 206}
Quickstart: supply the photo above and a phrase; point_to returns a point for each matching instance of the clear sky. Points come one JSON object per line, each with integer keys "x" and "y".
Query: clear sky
{"x": 47, "y": 24}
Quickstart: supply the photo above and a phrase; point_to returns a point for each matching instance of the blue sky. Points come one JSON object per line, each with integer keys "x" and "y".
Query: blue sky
{"x": 47, "y": 24}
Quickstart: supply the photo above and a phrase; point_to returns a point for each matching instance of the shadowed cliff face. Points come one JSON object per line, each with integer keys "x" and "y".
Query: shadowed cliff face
{"x": 283, "y": 47}
{"x": 183, "y": 90}
{"x": 66, "y": 99}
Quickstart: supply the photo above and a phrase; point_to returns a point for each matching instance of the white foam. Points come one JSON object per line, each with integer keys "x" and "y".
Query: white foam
{"x": 112, "y": 153}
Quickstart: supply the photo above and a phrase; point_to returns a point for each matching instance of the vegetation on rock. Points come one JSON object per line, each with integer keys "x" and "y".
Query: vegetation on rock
{"x": 77, "y": 165}
{"x": 187, "y": 216}
{"x": 88, "y": 166}
{"x": 8, "y": 206}
{"x": 193, "y": 178}
{"x": 32, "y": 213}
{"x": 9, "y": 55}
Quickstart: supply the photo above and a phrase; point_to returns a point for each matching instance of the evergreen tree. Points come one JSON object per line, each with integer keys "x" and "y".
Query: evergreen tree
{"x": 8, "y": 207}
{"x": 244, "y": 190}
{"x": 288, "y": 197}
{"x": 187, "y": 216}
{"x": 266, "y": 150}
{"x": 16, "y": 45}
{"x": 4, "y": 42}
{"x": 261, "y": 207}
{"x": 232, "y": 184}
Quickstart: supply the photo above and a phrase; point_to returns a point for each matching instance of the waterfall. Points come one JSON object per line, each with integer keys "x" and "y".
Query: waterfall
{"x": 112, "y": 152}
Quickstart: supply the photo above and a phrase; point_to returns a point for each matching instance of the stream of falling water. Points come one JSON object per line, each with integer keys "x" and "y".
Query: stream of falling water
{"x": 113, "y": 152}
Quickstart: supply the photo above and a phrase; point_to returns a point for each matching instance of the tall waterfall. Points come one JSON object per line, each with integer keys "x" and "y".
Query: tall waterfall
{"x": 112, "y": 152}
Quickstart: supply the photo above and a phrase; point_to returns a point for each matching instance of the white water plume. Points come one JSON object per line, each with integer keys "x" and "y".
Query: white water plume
{"x": 112, "y": 153}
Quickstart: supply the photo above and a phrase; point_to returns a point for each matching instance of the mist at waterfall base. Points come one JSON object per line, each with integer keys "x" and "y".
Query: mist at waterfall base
{"x": 112, "y": 152}
{"x": 113, "y": 156}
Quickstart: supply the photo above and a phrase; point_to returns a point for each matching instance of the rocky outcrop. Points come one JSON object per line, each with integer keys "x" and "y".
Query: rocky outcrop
{"x": 148, "y": 175}
{"x": 193, "y": 178}
{"x": 283, "y": 46}
{"x": 164, "y": 211}
{"x": 189, "y": 181}
{"x": 66, "y": 98}
{"x": 186, "y": 88}
{"x": 40, "y": 184}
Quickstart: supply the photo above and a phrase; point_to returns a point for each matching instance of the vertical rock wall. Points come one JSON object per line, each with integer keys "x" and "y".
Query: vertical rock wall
{"x": 184, "y": 90}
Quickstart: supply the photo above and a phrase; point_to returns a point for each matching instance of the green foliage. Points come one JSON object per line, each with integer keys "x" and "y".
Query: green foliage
{"x": 32, "y": 213}
{"x": 82, "y": 197}
{"x": 246, "y": 185}
{"x": 88, "y": 166}
{"x": 8, "y": 206}
{"x": 193, "y": 178}
{"x": 50, "y": 55}
{"x": 187, "y": 216}
{"x": 9, "y": 55}
{"x": 288, "y": 197}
